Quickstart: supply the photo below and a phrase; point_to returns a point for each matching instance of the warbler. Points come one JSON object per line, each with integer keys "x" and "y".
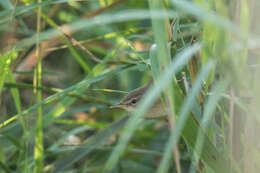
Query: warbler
{"x": 132, "y": 99}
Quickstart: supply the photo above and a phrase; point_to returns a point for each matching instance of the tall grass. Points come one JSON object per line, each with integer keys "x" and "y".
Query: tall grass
{"x": 202, "y": 55}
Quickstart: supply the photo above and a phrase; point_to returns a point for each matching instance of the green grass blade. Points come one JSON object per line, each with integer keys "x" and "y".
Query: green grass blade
{"x": 209, "y": 109}
{"x": 160, "y": 55}
{"x": 75, "y": 131}
{"x": 59, "y": 95}
{"x": 17, "y": 101}
{"x": 123, "y": 16}
{"x": 16, "y": 97}
{"x": 183, "y": 116}
{"x": 66, "y": 102}
{"x": 153, "y": 93}
{"x": 210, "y": 17}
{"x": 6, "y": 4}
{"x": 73, "y": 51}
{"x": 5, "y": 62}
{"x": 163, "y": 35}
{"x": 89, "y": 145}
{"x": 5, "y": 168}
{"x": 38, "y": 146}
{"x": 23, "y": 9}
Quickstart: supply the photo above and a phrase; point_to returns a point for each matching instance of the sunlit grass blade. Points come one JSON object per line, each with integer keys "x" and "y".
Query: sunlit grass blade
{"x": 153, "y": 93}
{"x": 66, "y": 102}
{"x": 38, "y": 146}
{"x": 56, "y": 90}
{"x": 57, "y": 96}
{"x": 108, "y": 36}
{"x": 23, "y": 9}
{"x": 5, "y": 62}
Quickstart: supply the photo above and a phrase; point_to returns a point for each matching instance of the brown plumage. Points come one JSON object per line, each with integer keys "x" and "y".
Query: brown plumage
{"x": 131, "y": 100}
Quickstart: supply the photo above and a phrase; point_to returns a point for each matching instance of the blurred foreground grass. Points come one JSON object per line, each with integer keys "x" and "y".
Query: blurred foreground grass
{"x": 63, "y": 63}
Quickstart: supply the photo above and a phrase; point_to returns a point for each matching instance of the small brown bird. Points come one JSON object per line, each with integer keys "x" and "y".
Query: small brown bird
{"x": 131, "y": 100}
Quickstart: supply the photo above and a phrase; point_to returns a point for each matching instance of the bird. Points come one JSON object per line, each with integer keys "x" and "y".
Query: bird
{"x": 132, "y": 99}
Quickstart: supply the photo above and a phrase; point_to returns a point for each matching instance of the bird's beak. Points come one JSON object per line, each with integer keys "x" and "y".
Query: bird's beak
{"x": 118, "y": 105}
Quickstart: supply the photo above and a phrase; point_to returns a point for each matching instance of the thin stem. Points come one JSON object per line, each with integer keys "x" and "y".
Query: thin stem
{"x": 38, "y": 148}
{"x": 57, "y": 90}
{"x": 231, "y": 114}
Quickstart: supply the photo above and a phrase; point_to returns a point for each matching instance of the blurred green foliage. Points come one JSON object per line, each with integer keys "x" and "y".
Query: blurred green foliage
{"x": 201, "y": 54}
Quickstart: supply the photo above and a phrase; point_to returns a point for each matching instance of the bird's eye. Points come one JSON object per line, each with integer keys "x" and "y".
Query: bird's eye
{"x": 134, "y": 101}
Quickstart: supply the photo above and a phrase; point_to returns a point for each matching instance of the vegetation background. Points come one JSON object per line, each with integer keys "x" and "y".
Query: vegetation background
{"x": 63, "y": 63}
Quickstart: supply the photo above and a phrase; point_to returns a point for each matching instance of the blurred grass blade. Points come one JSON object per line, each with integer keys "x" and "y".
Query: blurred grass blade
{"x": 17, "y": 101}
{"x": 65, "y": 40}
{"x": 210, "y": 89}
{"x": 4, "y": 167}
{"x": 152, "y": 94}
{"x": 123, "y": 16}
{"x": 38, "y": 146}
{"x": 159, "y": 54}
{"x": 5, "y": 62}
{"x": 57, "y": 96}
{"x": 183, "y": 116}
{"x": 108, "y": 36}
{"x": 6, "y": 4}
{"x": 65, "y": 136}
{"x": 209, "y": 109}
{"x": 208, "y": 38}
{"x": 90, "y": 144}
{"x": 163, "y": 35}
{"x": 23, "y": 9}
{"x": 14, "y": 141}
{"x": 210, "y": 17}
{"x": 16, "y": 97}
{"x": 67, "y": 101}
